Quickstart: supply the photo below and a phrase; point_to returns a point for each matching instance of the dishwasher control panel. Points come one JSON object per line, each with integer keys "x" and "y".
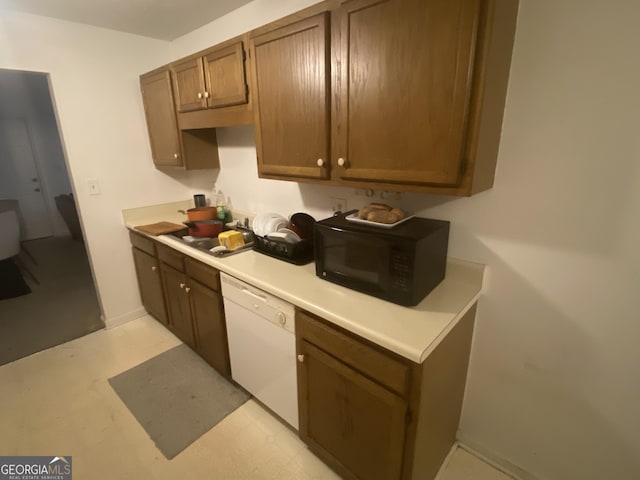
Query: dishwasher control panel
{"x": 271, "y": 308}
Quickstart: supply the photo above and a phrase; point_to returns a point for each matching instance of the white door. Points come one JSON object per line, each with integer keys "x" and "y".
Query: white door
{"x": 19, "y": 179}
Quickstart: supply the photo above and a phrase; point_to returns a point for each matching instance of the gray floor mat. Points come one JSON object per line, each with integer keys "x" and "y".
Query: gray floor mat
{"x": 177, "y": 397}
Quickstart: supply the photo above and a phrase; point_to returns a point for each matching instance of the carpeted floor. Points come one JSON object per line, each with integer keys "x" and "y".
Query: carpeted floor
{"x": 12, "y": 282}
{"x": 62, "y": 307}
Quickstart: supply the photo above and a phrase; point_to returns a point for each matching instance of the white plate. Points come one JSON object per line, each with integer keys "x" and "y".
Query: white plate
{"x": 261, "y": 225}
{"x": 354, "y": 218}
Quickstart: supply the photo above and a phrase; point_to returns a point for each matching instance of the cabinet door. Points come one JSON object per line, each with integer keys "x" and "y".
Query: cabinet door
{"x": 405, "y": 83}
{"x": 189, "y": 86}
{"x": 210, "y": 327}
{"x": 291, "y": 74}
{"x": 150, "y": 284}
{"x": 159, "y": 109}
{"x": 348, "y": 419}
{"x": 175, "y": 287}
{"x": 225, "y": 77}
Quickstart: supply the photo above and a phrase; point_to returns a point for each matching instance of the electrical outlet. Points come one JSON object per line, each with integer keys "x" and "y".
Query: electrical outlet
{"x": 338, "y": 204}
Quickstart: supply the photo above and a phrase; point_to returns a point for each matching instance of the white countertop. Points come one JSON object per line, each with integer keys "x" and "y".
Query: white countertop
{"x": 412, "y": 332}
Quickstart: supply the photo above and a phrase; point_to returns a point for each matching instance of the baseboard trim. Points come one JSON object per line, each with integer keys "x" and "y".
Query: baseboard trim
{"x": 446, "y": 462}
{"x": 497, "y": 462}
{"x": 124, "y": 318}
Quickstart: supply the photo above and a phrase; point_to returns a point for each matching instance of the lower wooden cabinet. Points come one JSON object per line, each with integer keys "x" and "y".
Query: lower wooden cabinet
{"x": 149, "y": 280}
{"x": 372, "y": 415}
{"x": 178, "y": 304}
{"x": 209, "y": 324}
{"x": 194, "y": 303}
{"x": 184, "y": 295}
{"x": 349, "y": 418}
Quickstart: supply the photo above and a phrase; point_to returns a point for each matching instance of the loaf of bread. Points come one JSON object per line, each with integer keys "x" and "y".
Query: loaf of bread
{"x": 381, "y": 213}
{"x": 383, "y": 216}
{"x": 399, "y": 213}
{"x": 364, "y": 212}
{"x": 382, "y": 206}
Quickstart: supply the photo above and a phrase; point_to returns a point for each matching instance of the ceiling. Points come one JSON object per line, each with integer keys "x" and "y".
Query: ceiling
{"x": 162, "y": 19}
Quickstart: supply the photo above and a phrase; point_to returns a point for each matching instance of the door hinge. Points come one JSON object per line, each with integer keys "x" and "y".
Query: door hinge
{"x": 408, "y": 417}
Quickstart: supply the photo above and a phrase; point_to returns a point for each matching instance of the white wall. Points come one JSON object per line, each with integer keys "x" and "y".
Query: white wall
{"x": 94, "y": 77}
{"x": 553, "y": 389}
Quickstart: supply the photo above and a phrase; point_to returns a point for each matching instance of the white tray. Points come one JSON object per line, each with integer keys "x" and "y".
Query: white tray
{"x": 354, "y": 218}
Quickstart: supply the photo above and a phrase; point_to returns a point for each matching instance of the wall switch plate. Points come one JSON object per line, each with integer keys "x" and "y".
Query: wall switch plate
{"x": 338, "y": 204}
{"x": 94, "y": 186}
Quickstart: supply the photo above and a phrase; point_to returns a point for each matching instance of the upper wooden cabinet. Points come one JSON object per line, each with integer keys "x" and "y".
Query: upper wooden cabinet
{"x": 416, "y": 95}
{"x": 292, "y": 79}
{"x": 170, "y": 145}
{"x": 405, "y": 85}
{"x": 213, "y": 80}
{"x": 157, "y": 97}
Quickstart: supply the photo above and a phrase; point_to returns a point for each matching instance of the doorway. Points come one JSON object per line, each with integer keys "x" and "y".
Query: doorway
{"x": 20, "y": 179}
{"x": 60, "y": 301}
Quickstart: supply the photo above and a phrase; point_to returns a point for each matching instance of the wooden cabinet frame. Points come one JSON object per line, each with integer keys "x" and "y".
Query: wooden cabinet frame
{"x": 292, "y": 116}
{"x": 466, "y": 164}
{"x": 423, "y": 403}
{"x": 221, "y": 75}
{"x": 172, "y": 146}
{"x": 147, "y": 267}
{"x": 185, "y": 296}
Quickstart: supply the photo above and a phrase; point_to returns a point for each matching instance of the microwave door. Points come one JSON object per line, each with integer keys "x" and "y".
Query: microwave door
{"x": 356, "y": 261}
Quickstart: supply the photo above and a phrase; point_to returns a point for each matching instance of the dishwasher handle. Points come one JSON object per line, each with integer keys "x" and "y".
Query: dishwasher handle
{"x": 257, "y": 296}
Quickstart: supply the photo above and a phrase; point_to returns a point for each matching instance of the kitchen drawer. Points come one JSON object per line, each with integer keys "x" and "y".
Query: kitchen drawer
{"x": 143, "y": 243}
{"x": 171, "y": 257}
{"x": 380, "y": 366}
{"x": 206, "y": 275}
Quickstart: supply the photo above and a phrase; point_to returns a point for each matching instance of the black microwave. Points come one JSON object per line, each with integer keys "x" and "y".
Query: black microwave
{"x": 401, "y": 264}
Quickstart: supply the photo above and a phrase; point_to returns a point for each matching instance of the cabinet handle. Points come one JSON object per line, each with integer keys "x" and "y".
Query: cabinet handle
{"x": 206, "y": 95}
{"x": 199, "y": 96}
{"x": 301, "y": 358}
{"x": 342, "y": 162}
{"x": 186, "y": 289}
{"x": 320, "y": 162}
{"x": 154, "y": 268}
{"x": 175, "y": 155}
{"x": 182, "y": 285}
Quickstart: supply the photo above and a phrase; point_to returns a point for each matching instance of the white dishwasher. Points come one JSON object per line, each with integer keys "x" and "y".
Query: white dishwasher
{"x": 262, "y": 346}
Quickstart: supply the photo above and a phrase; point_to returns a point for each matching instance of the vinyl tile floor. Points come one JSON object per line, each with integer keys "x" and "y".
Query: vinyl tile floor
{"x": 58, "y": 402}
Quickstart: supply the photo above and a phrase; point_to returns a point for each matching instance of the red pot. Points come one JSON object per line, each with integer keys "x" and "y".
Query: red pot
{"x": 200, "y": 213}
{"x": 204, "y": 228}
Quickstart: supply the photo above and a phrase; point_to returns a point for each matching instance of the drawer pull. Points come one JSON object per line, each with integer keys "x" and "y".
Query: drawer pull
{"x": 301, "y": 358}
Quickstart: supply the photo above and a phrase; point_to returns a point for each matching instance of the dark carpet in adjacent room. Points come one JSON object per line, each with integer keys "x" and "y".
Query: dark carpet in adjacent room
{"x": 177, "y": 397}
{"x": 12, "y": 283}
{"x": 62, "y": 307}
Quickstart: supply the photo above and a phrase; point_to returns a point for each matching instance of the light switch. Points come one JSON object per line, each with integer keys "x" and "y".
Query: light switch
{"x": 94, "y": 186}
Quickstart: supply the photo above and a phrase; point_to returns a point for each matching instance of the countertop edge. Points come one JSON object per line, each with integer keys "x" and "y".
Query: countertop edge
{"x": 417, "y": 355}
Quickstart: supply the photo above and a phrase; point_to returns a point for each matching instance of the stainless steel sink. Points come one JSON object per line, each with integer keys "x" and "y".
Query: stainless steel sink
{"x": 205, "y": 244}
